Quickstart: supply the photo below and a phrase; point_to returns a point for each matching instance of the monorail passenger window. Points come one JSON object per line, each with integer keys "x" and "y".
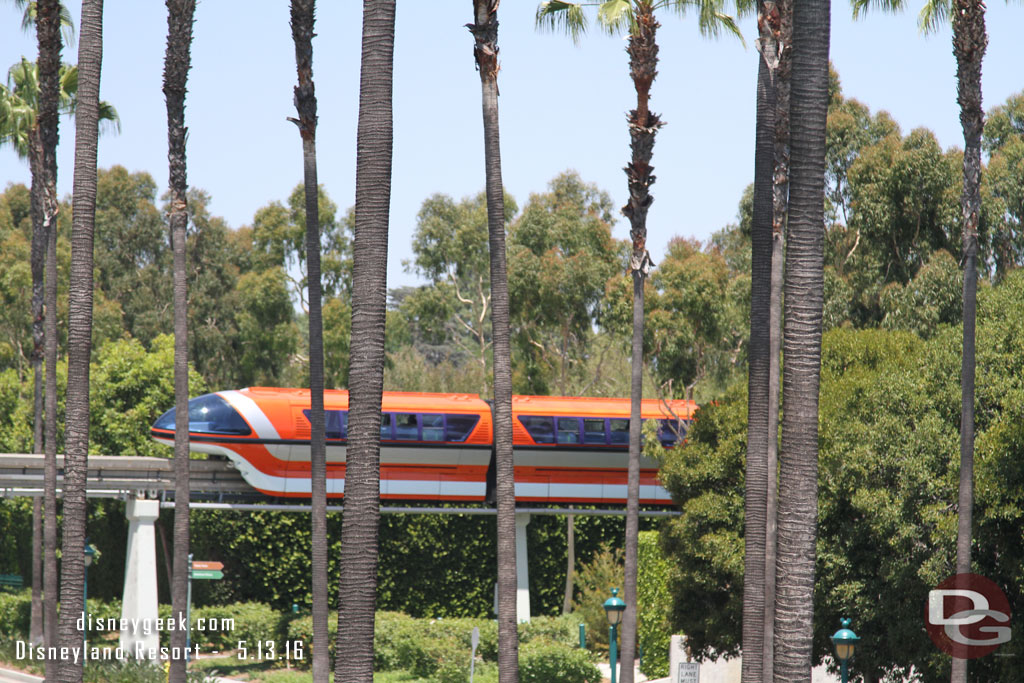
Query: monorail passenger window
{"x": 568, "y": 430}
{"x": 670, "y": 431}
{"x": 385, "y": 426}
{"x": 618, "y": 430}
{"x": 433, "y": 427}
{"x": 593, "y": 430}
{"x": 406, "y": 428}
{"x": 335, "y": 423}
{"x": 542, "y": 429}
{"x": 459, "y": 426}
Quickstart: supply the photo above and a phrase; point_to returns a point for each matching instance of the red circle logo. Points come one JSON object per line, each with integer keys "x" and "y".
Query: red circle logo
{"x": 967, "y": 616}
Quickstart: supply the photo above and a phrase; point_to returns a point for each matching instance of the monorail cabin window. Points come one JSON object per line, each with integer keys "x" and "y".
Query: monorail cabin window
{"x": 335, "y": 423}
{"x": 593, "y": 431}
{"x": 596, "y": 431}
{"x": 618, "y": 430}
{"x": 407, "y": 426}
{"x": 568, "y": 430}
{"x": 433, "y": 427}
{"x": 542, "y": 429}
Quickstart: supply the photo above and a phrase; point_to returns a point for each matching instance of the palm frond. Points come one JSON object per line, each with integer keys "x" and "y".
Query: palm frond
{"x": 108, "y": 118}
{"x": 567, "y": 17}
{"x": 616, "y": 16}
{"x": 860, "y": 7}
{"x": 711, "y": 17}
{"x": 933, "y": 15}
{"x": 67, "y": 25}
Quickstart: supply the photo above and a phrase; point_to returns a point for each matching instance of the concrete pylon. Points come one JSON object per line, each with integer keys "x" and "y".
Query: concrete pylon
{"x": 139, "y": 606}
{"x": 522, "y": 569}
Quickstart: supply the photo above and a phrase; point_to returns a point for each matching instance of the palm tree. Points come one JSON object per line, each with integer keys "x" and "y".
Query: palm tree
{"x": 638, "y": 18}
{"x": 804, "y": 282}
{"x": 771, "y": 175}
{"x": 90, "y": 53}
{"x": 302, "y": 23}
{"x": 358, "y": 590}
{"x": 48, "y": 38}
{"x": 177, "y": 62}
{"x": 759, "y": 477}
{"x": 485, "y": 33}
{"x": 47, "y": 54}
{"x": 969, "y": 43}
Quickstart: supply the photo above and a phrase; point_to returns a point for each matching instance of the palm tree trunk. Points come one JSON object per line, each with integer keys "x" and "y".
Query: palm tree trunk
{"x": 358, "y": 591}
{"x": 804, "y": 282}
{"x": 780, "y": 26}
{"x": 37, "y": 261}
{"x": 485, "y": 50}
{"x": 35, "y": 631}
{"x": 48, "y": 39}
{"x": 302, "y": 23}
{"x": 757, "y": 475}
{"x": 643, "y": 126}
{"x": 969, "y": 43}
{"x": 90, "y": 55}
{"x": 177, "y": 62}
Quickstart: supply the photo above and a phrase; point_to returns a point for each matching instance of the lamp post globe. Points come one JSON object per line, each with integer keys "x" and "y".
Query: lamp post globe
{"x": 613, "y": 608}
{"x": 845, "y": 642}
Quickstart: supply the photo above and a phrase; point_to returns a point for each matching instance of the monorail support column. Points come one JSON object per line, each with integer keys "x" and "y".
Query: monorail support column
{"x": 139, "y": 606}
{"x": 522, "y": 568}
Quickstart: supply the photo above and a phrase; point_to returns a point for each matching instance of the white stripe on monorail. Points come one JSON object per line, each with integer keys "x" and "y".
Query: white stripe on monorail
{"x": 393, "y": 510}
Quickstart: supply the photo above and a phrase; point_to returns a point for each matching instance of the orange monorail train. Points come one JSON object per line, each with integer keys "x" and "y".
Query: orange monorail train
{"x": 434, "y": 446}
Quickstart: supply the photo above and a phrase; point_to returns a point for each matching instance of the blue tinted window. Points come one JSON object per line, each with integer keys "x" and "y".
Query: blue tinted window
{"x": 542, "y": 429}
{"x": 593, "y": 430}
{"x": 209, "y": 414}
{"x": 618, "y": 431}
{"x": 670, "y": 432}
{"x": 385, "y": 426}
{"x": 568, "y": 429}
{"x": 406, "y": 427}
{"x": 458, "y": 427}
{"x": 335, "y": 423}
{"x": 433, "y": 427}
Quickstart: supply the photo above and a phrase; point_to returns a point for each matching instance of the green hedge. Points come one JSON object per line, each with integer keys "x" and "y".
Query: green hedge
{"x": 654, "y": 632}
{"x": 545, "y": 661}
{"x": 15, "y": 612}
{"x": 253, "y": 621}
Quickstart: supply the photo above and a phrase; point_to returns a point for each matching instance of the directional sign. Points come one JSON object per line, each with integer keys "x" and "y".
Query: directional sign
{"x": 207, "y": 565}
{"x": 207, "y": 574}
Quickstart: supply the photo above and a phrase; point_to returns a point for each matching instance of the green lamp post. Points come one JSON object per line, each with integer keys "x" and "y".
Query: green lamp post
{"x": 614, "y": 607}
{"x": 845, "y": 642}
{"x": 90, "y": 554}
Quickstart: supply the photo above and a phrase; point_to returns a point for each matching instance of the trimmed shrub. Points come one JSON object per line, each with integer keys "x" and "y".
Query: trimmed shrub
{"x": 301, "y": 628}
{"x": 15, "y": 612}
{"x": 253, "y": 621}
{"x": 544, "y": 661}
{"x": 654, "y": 633}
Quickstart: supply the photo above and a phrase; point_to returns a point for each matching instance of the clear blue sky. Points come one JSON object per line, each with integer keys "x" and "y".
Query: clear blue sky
{"x": 561, "y": 106}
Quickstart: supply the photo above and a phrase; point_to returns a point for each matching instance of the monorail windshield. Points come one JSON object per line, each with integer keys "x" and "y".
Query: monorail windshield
{"x": 208, "y": 414}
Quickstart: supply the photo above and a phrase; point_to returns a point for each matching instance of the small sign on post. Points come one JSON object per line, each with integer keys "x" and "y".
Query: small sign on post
{"x": 206, "y": 570}
{"x": 474, "y": 640}
{"x": 689, "y": 672}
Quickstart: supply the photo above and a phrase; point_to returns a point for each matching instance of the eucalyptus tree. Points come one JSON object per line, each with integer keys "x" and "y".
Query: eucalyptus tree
{"x": 969, "y": 43}
{"x": 177, "y": 62}
{"x": 80, "y": 296}
{"x": 638, "y": 19}
{"x": 804, "y": 287}
{"x": 302, "y": 22}
{"x": 358, "y": 590}
{"x": 485, "y": 50}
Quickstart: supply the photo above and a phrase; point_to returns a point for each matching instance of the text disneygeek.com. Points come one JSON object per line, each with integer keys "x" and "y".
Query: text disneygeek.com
{"x": 138, "y": 649}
